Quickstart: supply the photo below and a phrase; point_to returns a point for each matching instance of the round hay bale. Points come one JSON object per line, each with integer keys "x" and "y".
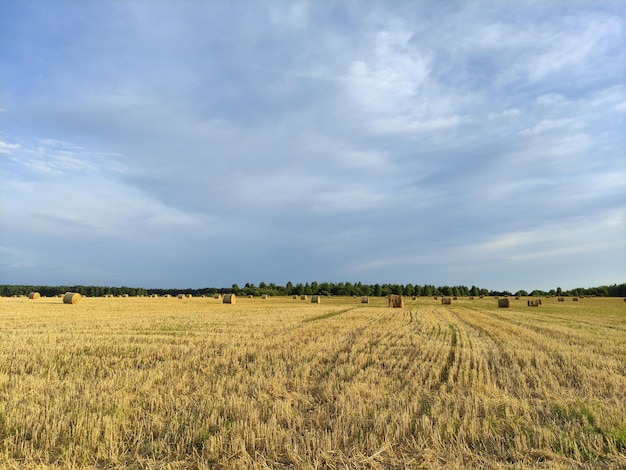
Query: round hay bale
{"x": 181, "y": 296}
{"x": 316, "y": 299}
{"x": 217, "y": 296}
{"x": 294, "y": 297}
{"x": 34, "y": 295}
{"x": 504, "y": 303}
{"x": 446, "y": 301}
{"x": 396, "y": 301}
{"x": 303, "y": 297}
{"x": 250, "y": 296}
{"x": 264, "y": 296}
{"x": 71, "y": 298}
{"x": 365, "y": 299}
{"x": 229, "y": 299}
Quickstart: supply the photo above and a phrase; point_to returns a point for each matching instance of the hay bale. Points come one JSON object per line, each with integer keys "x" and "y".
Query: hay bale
{"x": 264, "y": 296}
{"x": 517, "y": 297}
{"x": 435, "y": 297}
{"x": 446, "y": 301}
{"x": 504, "y": 303}
{"x": 316, "y": 299}
{"x": 396, "y": 301}
{"x": 294, "y": 297}
{"x": 561, "y": 299}
{"x": 167, "y": 296}
{"x": 534, "y": 303}
{"x": 414, "y": 297}
{"x": 365, "y": 299}
{"x": 303, "y": 297}
{"x": 575, "y": 299}
{"x": 471, "y": 297}
{"x": 455, "y": 298}
{"x": 229, "y": 299}
{"x": 71, "y": 298}
{"x": 250, "y": 296}
{"x": 34, "y": 295}
{"x": 180, "y": 296}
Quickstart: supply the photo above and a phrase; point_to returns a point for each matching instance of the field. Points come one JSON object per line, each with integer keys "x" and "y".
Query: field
{"x": 281, "y": 383}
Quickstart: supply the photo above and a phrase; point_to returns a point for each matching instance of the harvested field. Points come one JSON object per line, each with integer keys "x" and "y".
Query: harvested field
{"x": 133, "y": 383}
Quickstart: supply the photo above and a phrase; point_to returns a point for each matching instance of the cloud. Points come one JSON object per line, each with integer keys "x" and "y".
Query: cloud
{"x": 372, "y": 139}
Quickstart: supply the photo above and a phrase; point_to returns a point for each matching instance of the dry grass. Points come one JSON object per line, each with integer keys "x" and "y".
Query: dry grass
{"x": 135, "y": 383}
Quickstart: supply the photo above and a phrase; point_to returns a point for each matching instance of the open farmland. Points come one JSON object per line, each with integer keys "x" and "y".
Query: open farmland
{"x": 193, "y": 383}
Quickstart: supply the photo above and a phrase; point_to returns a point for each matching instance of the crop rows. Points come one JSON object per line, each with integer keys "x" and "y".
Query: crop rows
{"x": 165, "y": 383}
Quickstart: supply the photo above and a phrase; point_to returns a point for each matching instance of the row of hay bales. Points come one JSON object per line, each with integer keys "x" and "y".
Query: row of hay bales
{"x": 68, "y": 297}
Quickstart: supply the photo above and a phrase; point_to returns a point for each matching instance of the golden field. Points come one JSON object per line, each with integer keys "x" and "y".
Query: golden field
{"x": 281, "y": 383}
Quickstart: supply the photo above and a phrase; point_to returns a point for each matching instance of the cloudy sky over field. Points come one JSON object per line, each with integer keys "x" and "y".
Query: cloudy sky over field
{"x": 205, "y": 143}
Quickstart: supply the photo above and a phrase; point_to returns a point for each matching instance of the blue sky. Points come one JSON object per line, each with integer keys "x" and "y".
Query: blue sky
{"x": 205, "y": 143}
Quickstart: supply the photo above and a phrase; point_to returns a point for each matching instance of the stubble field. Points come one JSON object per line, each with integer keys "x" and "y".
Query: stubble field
{"x": 281, "y": 383}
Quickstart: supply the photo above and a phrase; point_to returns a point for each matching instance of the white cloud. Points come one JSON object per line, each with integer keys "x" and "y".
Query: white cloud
{"x": 7, "y": 148}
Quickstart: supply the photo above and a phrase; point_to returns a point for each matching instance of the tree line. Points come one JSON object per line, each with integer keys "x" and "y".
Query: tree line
{"x": 311, "y": 288}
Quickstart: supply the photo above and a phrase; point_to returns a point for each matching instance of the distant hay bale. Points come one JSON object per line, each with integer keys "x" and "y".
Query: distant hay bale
{"x": 446, "y": 301}
{"x": 250, "y": 296}
{"x": 414, "y": 297}
{"x": 167, "y": 296}
{"x": 154, "y": 296}
{"x": 229, "y": 299}
{"x": 517, "y": 297}
{"x": 471, "y": 297}
{"x": 455, "y": 298}
{"x": 34, "y": 295}
{"x": 71, "y": 298}
{"x": 396, "y": 301}
{"x": 316, "y": 299}
{"x": 504, "y": 303}
{"x": 264, "y": 296}
{"x": 303, "y": 297}
{"x": 217, "y": 296}
{"x": 294, "y": 297}
{"x": 481, "y": 297}
{"x": 365, "y": 299}
{"x": 534, "y": 303}
{"x": 561, "y": 299}
{"x": 575, "y": 299}
{"x": 435, "y": 297}
{"x": 181, "y": 296}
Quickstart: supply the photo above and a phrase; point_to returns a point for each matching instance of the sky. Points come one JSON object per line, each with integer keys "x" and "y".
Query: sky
{"x": 191, "y": 143}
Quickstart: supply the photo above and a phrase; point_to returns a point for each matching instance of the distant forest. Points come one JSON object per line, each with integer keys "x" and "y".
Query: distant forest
{"x": 322, "y": 288}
